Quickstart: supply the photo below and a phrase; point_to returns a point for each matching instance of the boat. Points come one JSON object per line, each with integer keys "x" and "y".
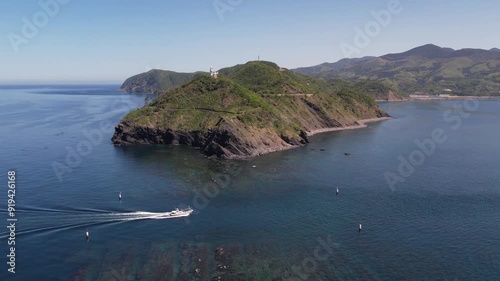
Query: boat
{"x": 181, "y": 213}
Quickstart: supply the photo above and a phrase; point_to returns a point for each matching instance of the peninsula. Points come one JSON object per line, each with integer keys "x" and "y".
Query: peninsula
{"x": 248, "y": 110}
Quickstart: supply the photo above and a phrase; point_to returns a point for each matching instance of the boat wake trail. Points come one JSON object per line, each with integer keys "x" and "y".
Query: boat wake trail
{"x": 50, "y": 221}
{"x": 141, "y": 216}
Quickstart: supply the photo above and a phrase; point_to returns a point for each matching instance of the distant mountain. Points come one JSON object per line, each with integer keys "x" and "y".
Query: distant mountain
{"x": 427, "y": 68}
{"x": 249, "y": 110}
{"x": 156, "y": 81}
{"x": 341, "y": 64}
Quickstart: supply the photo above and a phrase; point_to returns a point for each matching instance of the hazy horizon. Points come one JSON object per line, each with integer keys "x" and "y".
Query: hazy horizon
{"x": 67, "y": 42}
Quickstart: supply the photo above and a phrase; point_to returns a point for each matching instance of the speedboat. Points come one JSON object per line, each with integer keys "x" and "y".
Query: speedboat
{"x": 181, "y": 213}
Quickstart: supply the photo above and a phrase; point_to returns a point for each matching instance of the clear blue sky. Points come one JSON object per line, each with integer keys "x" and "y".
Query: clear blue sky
{"x": 110, "y": 40}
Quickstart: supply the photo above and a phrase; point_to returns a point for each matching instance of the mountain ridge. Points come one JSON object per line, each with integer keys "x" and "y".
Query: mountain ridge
{"x": 428, "y": 68}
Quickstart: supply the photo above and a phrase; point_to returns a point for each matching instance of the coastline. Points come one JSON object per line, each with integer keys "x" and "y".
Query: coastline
{"x": 362, "y": 124}
{"x": 454, "y": 98}
{"x": 392, "y": 100}
{"x": 430, "y": 98}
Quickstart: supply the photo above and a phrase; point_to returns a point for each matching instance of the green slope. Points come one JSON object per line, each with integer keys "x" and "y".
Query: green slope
{"x": 155, "y": 81}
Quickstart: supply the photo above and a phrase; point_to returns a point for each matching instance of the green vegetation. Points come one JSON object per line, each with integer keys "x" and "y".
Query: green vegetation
{"x": 267, "y": 78}
{"x": 350, "y": 96}
{"x": 156, "y": 80}
{"x": 428, "y": 68}
{"x": 258, "y": 95}
{"x": 374, "y": 89}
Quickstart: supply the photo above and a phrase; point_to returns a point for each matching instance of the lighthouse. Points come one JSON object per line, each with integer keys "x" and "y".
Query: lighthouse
{"x": 213, "y": 73}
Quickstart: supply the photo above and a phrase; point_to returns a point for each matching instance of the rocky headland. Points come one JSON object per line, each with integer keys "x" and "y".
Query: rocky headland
{"x": 249, "y": 110}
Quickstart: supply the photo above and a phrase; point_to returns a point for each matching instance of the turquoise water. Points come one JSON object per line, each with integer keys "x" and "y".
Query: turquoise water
{"x": 269, "y": 217}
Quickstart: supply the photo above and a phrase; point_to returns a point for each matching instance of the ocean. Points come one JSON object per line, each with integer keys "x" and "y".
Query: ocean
{"x": 425, "y": 186}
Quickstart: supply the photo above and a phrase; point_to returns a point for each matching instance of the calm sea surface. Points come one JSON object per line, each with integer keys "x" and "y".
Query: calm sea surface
{"x": 275, "y": 217}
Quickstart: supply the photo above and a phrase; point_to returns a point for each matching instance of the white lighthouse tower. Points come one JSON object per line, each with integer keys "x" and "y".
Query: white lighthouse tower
{"x": 213, "y": 73}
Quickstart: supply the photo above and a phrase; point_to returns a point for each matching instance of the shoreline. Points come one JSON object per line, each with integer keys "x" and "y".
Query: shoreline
{"x": 454, "y": 98}
{"x": 362, "y": 124}
{"x": 428, "y": 98}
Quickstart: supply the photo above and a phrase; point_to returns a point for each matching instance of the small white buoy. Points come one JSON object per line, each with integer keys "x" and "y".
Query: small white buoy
{"x": 254, "y": 166}
{"x": 337, "y": 190}
{"x": 87, "y": 235}
{"x": 360, "y": 227}
{"x": 120, "y": 196}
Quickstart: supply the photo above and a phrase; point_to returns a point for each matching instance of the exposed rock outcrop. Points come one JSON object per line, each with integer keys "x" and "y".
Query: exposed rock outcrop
{"x": 230, "y": 140}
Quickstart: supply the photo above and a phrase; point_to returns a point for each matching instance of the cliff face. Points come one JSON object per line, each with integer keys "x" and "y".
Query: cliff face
{"x": 390, "y": 96}
{"x": 229, "y": 140}
{"x": 251, "y": 110}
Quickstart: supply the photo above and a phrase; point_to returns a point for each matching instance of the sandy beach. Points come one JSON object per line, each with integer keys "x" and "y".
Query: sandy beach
{"x": 434, "y": 98}
{"x": 362, "y": 124}
{"x": 431, "y": 98}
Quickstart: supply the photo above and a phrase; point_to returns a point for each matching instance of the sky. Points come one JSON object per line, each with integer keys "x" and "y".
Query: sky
{"x": 106, "y": 41}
